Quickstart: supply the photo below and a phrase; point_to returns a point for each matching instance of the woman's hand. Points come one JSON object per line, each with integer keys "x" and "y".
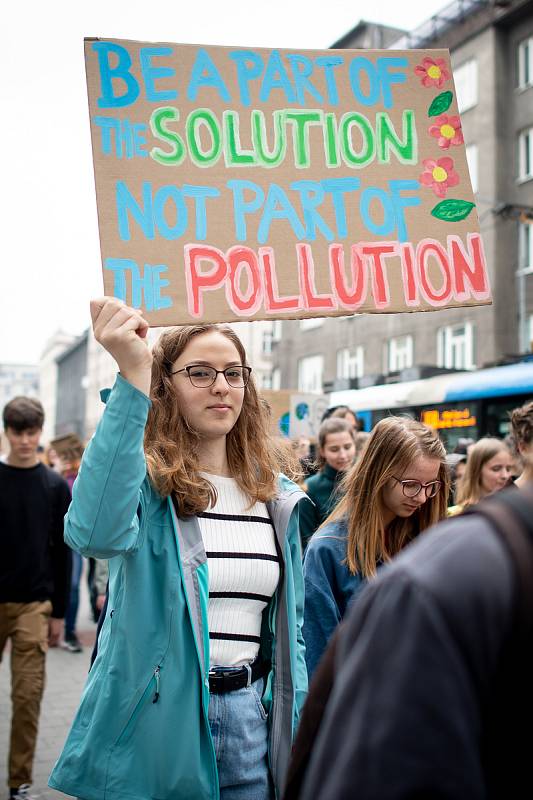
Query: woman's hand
{"x": 122, "y": 331}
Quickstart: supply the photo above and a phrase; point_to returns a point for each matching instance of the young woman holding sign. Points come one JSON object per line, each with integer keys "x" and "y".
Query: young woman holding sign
{"x": 200, "y": 675}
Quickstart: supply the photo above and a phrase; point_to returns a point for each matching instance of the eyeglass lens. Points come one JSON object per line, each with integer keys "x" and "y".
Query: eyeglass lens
{"x": 203, "y": 377}
{"x": 412, "y": 488}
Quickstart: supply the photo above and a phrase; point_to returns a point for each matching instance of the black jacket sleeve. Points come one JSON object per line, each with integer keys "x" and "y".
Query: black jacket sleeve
{"x": 413, "y": 663}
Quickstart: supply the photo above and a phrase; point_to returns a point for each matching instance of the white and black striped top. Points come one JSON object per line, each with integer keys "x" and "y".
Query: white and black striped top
{"x": 244, "y": 572}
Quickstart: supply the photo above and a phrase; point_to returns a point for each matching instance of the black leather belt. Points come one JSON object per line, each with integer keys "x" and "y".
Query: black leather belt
{"x": 229, "y": 681}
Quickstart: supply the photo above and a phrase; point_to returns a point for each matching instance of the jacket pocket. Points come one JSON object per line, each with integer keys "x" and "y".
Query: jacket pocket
{"x": 150, "y": 694}
{"x": 257, "y": 695}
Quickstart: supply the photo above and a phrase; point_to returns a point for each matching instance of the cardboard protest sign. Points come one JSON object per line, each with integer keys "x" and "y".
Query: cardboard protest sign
{"x": 241, "y": 183}
{"x": 307, "y": 411}
{"x": 279, "y": 402}
{"x": 295, "y": 414}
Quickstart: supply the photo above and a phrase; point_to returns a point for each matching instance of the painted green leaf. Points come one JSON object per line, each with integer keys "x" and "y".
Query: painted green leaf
{"x": 452, "y": 210}
{"x": 440, "y": 104}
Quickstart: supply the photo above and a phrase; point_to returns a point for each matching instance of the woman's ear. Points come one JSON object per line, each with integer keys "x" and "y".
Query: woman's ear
{"x": 523, "y": 448}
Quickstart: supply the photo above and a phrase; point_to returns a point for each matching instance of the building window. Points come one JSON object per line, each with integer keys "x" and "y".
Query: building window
{"x": 525, "y": 63}
{"x": 311, "y": 322}
{"x": 310, "y": 371}
{"x": 399, "y": 353}
{"x": 525, "y": 154}
{"x": 276, "y": 330}
{"x": 268, "y": 338}
{"x": 350, "y": 363}
{"x": 275, "y": 379}
{"x": 465, "y": 78}
{"x": 455, "y": 346}
{"x": 471, "y": 160}
{"x": 266, "y": 380}
{"x": 530, "y": 332}
{"x": 525, "y": 245}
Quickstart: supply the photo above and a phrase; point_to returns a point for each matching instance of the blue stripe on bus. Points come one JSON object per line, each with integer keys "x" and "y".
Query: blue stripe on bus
{"x": 496, "y": 382}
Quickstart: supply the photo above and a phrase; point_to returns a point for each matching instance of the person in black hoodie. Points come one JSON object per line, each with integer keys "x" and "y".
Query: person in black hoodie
{"x": 34, "y": 576}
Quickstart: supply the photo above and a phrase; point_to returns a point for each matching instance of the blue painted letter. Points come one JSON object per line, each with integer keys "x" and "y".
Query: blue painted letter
{"x": 108, "y": 74}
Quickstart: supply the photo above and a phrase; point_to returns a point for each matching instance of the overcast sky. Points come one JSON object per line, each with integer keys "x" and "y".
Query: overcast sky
{"x": 49, "y": 236}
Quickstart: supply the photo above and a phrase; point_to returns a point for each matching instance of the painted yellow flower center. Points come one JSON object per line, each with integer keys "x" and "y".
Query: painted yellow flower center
{"x": 439, "y": 174}
{"x": 434, "y": 71}
{"x": 448, "y": 131}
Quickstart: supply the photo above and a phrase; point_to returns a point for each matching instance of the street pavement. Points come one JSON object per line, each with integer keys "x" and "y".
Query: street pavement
{"x": 65, "y": 677}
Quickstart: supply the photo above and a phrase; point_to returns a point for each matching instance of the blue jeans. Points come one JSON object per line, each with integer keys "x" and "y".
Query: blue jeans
{"x": 239, "y": 728}
{"x": 74, "y": 596}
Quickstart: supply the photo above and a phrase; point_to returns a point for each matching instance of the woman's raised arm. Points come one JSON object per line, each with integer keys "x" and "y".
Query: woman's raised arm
{"x": 105, "y": 516}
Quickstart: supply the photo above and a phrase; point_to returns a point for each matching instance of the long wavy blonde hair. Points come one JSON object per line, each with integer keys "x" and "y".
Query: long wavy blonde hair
{"x": 255, "y": 458}
{"x": 392, "y": 448}
{"x": 469, "y": 489}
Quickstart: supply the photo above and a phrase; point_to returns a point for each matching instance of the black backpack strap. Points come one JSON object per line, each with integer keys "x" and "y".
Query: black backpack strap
{"x": 506, "y": 701}
{"x": 511, "y": 515}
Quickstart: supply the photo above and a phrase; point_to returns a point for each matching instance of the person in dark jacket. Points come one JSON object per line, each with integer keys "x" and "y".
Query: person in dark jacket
{"x": 336, "y": 452}
{"x": 34, "y": 576}
{"x": 425, "y": 691}
{"x": 398, "y": 489}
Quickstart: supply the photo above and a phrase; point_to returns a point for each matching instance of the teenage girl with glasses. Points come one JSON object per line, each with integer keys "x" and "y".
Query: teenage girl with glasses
{"x": 396, "y": 490}
{"x": 200, "y": 673}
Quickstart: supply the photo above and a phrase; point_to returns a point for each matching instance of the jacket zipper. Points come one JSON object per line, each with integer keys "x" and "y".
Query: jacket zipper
{"x": 156, "y": 676}
{"x": 153, "y": 686}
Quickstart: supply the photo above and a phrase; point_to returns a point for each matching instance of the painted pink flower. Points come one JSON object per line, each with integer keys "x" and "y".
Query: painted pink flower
{"x": 433, "y": 71}
{"x": 447, "y": 130}
{"x": 439, "y": 174}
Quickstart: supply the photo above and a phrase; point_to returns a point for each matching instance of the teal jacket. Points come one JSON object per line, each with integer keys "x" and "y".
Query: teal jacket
{"x": 142, "y": 729}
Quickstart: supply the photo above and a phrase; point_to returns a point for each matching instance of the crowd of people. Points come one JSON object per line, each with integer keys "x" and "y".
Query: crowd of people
{"x": 231, "y": 569}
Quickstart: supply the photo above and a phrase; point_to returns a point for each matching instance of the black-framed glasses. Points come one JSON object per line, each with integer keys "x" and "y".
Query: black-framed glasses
{"x": 412, "y": 488}
{"x": 203, "y": 377}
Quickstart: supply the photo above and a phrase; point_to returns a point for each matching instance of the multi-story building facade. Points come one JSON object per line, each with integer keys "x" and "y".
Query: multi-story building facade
{"x": 18, "y": 379}
{"x": 54, "y": 347}
{"x": 258, "y": 339}
{"x": 491, "y": 45}
{"x": 72, "y": 388}
{"x": 15, "y": 380}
